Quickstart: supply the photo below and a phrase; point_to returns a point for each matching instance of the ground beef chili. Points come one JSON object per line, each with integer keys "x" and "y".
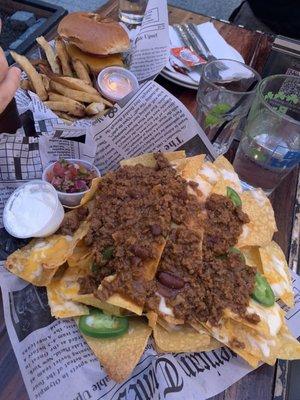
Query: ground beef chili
{"x": 72, "y": 220}
{"x": 136, "y": 210}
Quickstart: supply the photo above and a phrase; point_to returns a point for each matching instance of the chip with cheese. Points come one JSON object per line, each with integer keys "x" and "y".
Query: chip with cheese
{"x": 38, "y": 261}
{"x": 276, "y": 270}
{"x": 262, "y": 226}
{"x": 227, "y": 177}
{"x": 182, "y": 338}
{"x": 148, "y": 159}
{"x": 61, "y": 292}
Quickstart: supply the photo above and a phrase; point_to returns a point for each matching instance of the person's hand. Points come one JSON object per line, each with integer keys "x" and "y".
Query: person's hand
{"x": 9, "y": 81}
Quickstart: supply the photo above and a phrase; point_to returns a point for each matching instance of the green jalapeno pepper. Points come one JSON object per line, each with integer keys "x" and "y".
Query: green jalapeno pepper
{"x": 263, "y": 292}
{"x": 99, "y": 325}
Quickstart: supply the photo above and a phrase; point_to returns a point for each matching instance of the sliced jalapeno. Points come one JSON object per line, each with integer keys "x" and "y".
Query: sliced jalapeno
{"x": 237, "y": 251}
{"x": 263, "y": 292}
{"x": 99, "y": 325}
{"x": 234, "y": 197}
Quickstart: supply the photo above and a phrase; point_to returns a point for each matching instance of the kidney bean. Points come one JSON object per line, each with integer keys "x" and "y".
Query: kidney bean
{"x": 156, "y": 230}
{"x": 170, "y": 281}
{"x": 165, "y": 291}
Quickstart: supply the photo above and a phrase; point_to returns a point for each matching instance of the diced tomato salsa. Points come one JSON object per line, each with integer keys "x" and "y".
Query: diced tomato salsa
{"x": 70, "y": 177}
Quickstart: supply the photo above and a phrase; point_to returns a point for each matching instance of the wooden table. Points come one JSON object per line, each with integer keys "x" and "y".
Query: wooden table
{"x": 255, "y": 48}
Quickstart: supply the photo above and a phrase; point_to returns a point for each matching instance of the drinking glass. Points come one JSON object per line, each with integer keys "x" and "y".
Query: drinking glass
{"x": 270, "y": 145}
{"x": 224, "y": 96}
{"x": 132, "y": 11}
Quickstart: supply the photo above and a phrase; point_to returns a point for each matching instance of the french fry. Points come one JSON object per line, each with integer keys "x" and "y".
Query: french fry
{"x": 94, "y": 108}
{"x": 63, "y": 57}
{"x": 107, "y": 103}
{"x": 67, "y": 119}
{"x": 51, "y": 57}
{"x": 74, "y": 83}
{"x": 46, "y": 82}
{"x": 75, "y": 94}
{"x": 60, "y": 97}
{"x": 76, "y": 109}
{"x": 39, "y": 61}
{"x": 25, "y": 84}
{"x": 32, "y": 74}
{"x": 82, "y": 71}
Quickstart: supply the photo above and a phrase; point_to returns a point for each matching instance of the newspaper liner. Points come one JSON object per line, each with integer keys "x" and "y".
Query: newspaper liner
{"x": 55, "y": 361}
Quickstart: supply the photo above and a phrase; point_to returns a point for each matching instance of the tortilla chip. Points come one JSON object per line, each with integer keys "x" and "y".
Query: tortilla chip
{"x": 251, "y": 254}
{"x": 91, "y": 193}
{"x": 271, "y": 318}
{"x": 228, "y": 177}
{"x": 182, "y": 339}
{"x": 120, "y": 301}
{"x": 91, "y": 300}
{"x": 172, "y": 320}
{"x": 149, "y": 267}
{"x": 192, "y": 167}
{"x": 245, "y": 341}
{"x": 38, "y": 262}
{"x": 148, "y": 159}
{"x": 152, "y": 318}
{"x": 288, "y": 346}
{"x": 61, "y": 292}
{"x": 81, "y": 256}
{"x": 120, "y": 355}
{"x": 276, "y": 271}
{"x": 213, "y": 344}
{"x": 189, "y": 170}
{"x": 262, "y": 226}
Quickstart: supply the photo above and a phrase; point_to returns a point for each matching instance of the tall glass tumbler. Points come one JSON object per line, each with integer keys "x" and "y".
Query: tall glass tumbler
{"x": 132, "y": 11}
{"x": 224, "y": 96}
{"x": 270, "y": 145}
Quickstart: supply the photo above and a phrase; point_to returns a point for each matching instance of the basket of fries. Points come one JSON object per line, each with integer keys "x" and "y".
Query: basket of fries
{"x": 65, "y": 78}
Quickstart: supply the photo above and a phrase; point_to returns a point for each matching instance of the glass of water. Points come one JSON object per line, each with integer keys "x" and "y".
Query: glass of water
{"x": 132, "y": 11}
{"x": 224, "y": 96}
{"x": 270, "y": 145}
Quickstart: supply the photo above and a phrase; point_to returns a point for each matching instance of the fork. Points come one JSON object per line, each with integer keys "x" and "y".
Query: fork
{"x": 192, "y": 31}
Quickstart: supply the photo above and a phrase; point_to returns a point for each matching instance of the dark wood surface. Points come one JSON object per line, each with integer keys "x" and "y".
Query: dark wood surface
{"x": 255, "y": 49}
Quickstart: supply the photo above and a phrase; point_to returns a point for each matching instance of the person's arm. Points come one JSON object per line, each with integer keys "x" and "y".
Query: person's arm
{"x": 9, "y": 81}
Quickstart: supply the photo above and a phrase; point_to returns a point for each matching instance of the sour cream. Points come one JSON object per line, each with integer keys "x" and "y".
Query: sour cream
{"x": 33, "y": 210}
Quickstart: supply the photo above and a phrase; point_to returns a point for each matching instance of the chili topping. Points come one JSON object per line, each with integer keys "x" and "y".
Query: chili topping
{"x": 140, "y": 210}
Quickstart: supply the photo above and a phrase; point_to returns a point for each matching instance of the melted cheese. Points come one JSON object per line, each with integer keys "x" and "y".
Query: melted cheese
{"x": 204, "y": 186}
{"x": 230, "y": 176}
{"x": 279, "y": 288}
{"x": 270, "y": 315}
{"x": 163, "y": 308}
{"x": 245, "y": 232}
{"x": 279, "y": 266}
{"x": 211, "y": 175}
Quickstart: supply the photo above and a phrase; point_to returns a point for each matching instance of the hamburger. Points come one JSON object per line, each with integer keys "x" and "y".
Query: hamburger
{"x": 95, "y": 41}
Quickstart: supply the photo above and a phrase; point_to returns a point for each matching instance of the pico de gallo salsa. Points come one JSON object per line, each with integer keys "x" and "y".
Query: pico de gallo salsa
{"x": 70, "y": 177}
